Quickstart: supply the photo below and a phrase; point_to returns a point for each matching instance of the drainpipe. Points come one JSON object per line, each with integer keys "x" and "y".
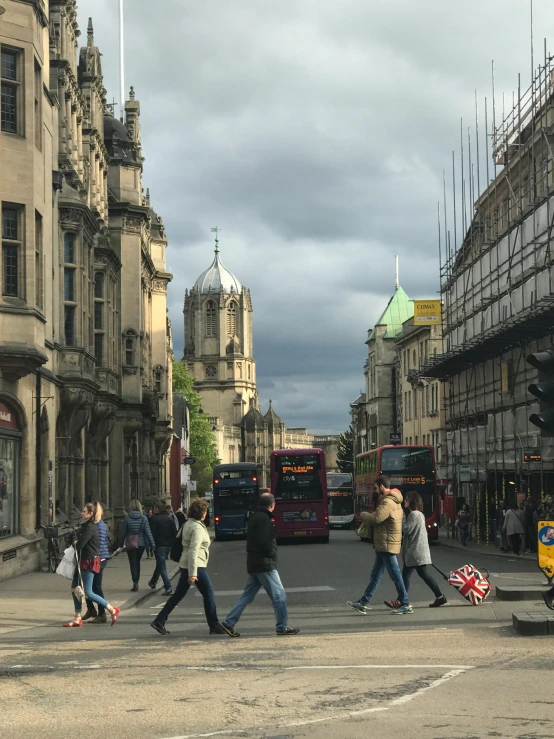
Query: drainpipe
{"x": 38, "y": 519}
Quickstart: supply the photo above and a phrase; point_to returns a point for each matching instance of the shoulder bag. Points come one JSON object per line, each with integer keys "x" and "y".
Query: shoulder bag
{"x": 132, "y": 541}
{"x": 177, "y": 547}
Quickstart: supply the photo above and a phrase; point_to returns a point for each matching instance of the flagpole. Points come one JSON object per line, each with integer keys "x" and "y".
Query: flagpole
{"x": 121, "y": 64}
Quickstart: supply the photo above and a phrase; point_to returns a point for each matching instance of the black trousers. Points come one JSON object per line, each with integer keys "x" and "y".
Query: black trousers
{"x": 515, "y": 541}
{"x": 425, "y": 575}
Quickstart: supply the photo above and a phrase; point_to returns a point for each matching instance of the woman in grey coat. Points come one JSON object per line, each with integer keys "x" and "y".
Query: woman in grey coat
{"x": 415, "y": 549}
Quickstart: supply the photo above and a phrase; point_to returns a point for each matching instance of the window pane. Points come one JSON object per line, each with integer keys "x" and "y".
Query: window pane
{"x": 69, "y": 248}
{"x": 98, "y": 316}
{"x": 9, "y": 223}
{"x": 99, "y": 348}
{"x": 69, "y": 284}
{"x": 99, "y": 285}
{"x": 9, "y": 65}
{"x": 69, "y": 325}
{"x": 8, "y": 106}
{"x": 9, "y": 270}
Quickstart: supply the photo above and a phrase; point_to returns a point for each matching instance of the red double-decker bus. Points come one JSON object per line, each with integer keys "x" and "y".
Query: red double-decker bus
{"x": 409, "y": 468}
{"x": 299, "y": 484}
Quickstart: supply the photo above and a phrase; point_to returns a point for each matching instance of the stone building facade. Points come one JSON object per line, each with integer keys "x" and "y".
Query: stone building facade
{"x": 85, "y": 342}
{"x": 375, "y": 411}
{"x": 219, "y": 354}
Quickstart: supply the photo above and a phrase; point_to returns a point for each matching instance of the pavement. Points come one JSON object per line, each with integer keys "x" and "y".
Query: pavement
{"x": 435, "y": 673}
{"x": 44, "y": 598}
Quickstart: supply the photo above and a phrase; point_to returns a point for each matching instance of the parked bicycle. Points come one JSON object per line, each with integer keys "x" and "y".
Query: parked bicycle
{"x": 51, "y": 534}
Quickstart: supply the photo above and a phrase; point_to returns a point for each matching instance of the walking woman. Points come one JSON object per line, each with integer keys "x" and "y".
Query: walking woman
{"x": 415, "y": 549}
{"x": 194, "y": 569}
{"x": 135, "y": 535}
{"x": 88, "y": 553}
{"x": 513, "y": 526}
{"x": 104, "y": 549}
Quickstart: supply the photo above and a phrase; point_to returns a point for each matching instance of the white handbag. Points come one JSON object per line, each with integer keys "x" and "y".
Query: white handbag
{"x": 66, "y": 568}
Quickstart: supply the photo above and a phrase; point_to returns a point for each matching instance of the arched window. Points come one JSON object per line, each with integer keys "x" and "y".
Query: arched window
{"x": 158, "y": 378}
{"x": 211, "y": 318}
{"x": 232, "y": 318}
{"x": 130, "y": 345}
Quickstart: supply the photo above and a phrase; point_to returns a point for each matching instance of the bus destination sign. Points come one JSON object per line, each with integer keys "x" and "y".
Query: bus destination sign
{"x": 531, "y": 455}
{"x": 339, "y": 493}
{"x": 407, "y": 480}
{"x": 298, "y": 469}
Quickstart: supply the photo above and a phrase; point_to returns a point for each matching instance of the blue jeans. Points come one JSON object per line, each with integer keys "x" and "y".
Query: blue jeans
{"x": 97, "y": 587}
{"x": 271, "y": 583}
{"x": 87, "y": 576}
{"x": 204, "y": 585}
{"x": 161, "y": 554}
{"x": 385, "y": 560}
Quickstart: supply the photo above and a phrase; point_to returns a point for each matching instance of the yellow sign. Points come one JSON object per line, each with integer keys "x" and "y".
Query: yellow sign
{"x": 545, "y": 558}
{"x": 427, "y": 312}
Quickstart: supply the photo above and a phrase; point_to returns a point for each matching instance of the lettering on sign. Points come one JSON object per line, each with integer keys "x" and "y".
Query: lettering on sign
{"x": 5, "y": 416}
{"x": 298, "y": 470}
{"x": 407, "y": 480}
{"x": 339, "y": 493}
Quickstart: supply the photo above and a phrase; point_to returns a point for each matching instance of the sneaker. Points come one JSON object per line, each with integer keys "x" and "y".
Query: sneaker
{"x": 357, "y": 606}
{"x": 289, "y": 631}
{"x": 100, "y": 619}
{"x": 402, "y": 610}
{"x": 440, "y": 601}
{"x": 218, "y": 629}
{"x": 134, "y": 589}
{"x": 159, "y": 628}
{"x": 167, "y": 592}
{"x": 547, "y": 597}
{"x": 152, "y": 585}
{"x": 229, "y": 630}
{"x": 393, "y": 603}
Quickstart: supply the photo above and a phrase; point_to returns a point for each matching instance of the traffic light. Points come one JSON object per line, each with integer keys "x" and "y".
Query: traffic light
{"x": 543, "y": 389}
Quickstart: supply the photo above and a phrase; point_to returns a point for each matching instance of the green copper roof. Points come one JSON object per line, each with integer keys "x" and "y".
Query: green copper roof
{"x": 398, "y": 310}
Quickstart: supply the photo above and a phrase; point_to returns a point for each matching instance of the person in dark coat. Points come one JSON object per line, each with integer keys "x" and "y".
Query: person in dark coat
{"x": 104, "y": 554}
{"x": 164, "y": 530}
{"x": 136, "y": 523}
{"x": 261, "y": 565}
{"x": 87, "y": 546}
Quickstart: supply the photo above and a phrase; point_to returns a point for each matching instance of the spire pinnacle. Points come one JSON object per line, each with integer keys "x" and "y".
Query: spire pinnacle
{"x": 90, "y": 33}
{"x": 396, "y": 283}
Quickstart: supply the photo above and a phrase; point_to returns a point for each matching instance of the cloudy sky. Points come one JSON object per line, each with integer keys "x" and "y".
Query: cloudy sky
{"x": 314, "y": 133}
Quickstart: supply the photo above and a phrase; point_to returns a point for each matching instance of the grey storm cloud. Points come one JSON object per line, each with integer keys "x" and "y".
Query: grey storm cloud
{"x": 315, "y": 134}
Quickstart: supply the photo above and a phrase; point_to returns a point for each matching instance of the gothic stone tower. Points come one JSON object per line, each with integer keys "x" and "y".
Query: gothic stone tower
{"x": 219, "y": 353}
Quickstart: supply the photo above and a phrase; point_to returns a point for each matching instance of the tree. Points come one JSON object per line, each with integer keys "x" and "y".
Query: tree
{"x": 202, "y": 439}
{"x": 345, "y": 454}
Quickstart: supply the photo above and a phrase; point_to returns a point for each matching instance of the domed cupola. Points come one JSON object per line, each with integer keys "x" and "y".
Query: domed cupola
{"x": 217, "y": 278}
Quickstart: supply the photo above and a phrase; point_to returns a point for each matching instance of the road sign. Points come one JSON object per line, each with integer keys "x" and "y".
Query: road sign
{"x": 531, "y": 455}
{"x": 458, "y": 460}
{"x": 465, "y": 473}
{"x": 545, "y": 555}
{"x": 189, "y": 460}
{"x": 191, "y": 485}
{"x": 395, "y": 439}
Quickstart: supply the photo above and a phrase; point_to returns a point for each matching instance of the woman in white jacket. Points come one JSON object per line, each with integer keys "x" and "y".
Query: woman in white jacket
{"x": 513, "y": 526}
{"x": 415, "y": 549}
{"x": 194, "y": 569}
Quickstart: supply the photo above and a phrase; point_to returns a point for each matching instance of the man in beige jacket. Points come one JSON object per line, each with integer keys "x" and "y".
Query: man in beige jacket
{"x": 387, "y": 540}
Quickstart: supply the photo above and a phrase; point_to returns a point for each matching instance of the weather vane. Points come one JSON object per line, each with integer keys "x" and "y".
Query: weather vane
{"x": 216, "y": 231}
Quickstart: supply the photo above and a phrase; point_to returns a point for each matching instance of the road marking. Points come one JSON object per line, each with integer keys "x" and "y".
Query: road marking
{"x": 307, "y": 589}
{"x": 453, "y": 671}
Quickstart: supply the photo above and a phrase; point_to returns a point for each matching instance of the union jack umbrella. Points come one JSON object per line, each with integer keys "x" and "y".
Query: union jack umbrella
{"x": 469, "y": 582}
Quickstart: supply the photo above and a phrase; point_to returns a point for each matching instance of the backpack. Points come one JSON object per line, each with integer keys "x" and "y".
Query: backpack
{"x": 177, "y": 547}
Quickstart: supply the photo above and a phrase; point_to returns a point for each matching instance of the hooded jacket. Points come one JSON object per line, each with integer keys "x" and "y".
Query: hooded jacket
{"x": 387, "y": 523}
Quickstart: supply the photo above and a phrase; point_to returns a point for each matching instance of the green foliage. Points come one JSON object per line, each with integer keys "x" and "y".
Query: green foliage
{"x": 202, "y": 439}
{"x": 345, "y": 454}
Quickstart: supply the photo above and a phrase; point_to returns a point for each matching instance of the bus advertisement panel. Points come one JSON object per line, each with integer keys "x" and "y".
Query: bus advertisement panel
{"x": 341, "y": 500}
{"x": 235, "y": 495}
{"x": 409, "y": 468}
{"x": 299, "y": 485}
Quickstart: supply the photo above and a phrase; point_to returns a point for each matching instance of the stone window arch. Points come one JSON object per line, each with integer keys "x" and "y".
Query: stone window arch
{"x": 158, "y": 378}
{"x": 130, "y": 348}
{"x": 193, "y": 321}
{"x": 232, "y": 318}
{"x": 211, "y": 318}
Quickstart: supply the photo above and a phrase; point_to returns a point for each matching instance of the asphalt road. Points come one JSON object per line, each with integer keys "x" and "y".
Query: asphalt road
{"x": 457, "y": 671}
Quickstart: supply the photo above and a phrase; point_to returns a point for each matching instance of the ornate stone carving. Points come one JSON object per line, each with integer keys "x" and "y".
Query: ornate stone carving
{"x": 132, "y": 224}
{"x": 71, "y": 215}
{"x": 130, "y": 370}
{"x": 159, "y": 286}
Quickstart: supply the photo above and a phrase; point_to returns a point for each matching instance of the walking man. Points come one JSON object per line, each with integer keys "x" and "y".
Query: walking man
{"x": 387, "y": 540}
{"x": 163, "y": 530}
{"x": 261, "y": 565}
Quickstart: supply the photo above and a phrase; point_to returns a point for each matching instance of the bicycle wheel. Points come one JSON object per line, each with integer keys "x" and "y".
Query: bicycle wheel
{"x": 53, "y": 557}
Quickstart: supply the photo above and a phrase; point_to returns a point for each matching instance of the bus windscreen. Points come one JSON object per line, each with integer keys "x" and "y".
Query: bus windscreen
{"x": 405, "y": 461}
{"x": 298, "y": 478}
{"x": 235, "y": 499}
{"x": 338, "y": 479}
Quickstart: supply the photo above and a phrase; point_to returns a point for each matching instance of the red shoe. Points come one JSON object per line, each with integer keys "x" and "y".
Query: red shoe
{"x": 393, "y": 603}
{"x": 115, "y": 615}
{"x": 73, "y": 624}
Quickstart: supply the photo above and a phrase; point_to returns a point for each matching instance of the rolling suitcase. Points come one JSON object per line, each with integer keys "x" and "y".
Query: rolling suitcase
{"x": 469, "y": 582}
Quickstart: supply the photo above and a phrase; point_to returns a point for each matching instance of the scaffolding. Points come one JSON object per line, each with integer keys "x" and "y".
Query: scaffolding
{"x": 498, "y": 302}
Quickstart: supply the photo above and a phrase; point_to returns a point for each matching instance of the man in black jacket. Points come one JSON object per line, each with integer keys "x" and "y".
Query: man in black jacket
{"x": 163, "y": 530}
{"x": 261, "y": 565}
